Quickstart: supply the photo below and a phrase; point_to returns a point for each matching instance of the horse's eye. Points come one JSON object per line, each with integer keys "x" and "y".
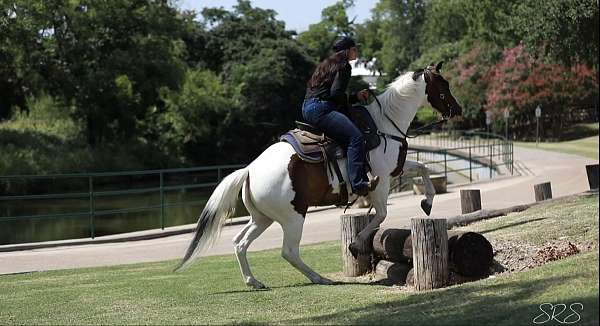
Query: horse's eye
{"x": 442, "y": 96}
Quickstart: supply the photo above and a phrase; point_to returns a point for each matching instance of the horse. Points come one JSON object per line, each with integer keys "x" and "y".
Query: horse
{"x": 279, "y": 186}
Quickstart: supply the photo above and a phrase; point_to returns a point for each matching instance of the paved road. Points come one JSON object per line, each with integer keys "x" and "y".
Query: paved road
{"x": 565, "y": 172}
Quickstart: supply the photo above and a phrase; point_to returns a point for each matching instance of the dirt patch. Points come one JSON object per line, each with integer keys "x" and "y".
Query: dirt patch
{"x": 515, "y": 256}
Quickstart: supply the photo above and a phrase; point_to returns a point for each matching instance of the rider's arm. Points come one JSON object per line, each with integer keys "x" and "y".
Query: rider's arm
{"x": 337, "y": 92}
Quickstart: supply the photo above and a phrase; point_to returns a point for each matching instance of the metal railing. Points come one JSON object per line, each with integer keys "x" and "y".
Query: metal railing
{"x": 442, "y": 153}
{"x": 478, "y": 150}
{"x": 92, "y": 194}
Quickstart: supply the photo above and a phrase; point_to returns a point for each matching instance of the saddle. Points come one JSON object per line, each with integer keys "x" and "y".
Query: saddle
{"x": 313, "y": 146}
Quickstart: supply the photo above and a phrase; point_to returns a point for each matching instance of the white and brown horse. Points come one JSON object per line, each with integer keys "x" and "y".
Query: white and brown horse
{"x": 279, "y": 186}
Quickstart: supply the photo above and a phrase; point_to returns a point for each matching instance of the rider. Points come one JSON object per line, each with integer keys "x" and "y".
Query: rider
{"x": 326, "y": 105}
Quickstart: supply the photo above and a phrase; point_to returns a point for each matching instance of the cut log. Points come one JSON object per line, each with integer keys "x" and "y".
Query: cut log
{"x": 543, "y": 191}
{"x": 470, "y": 200}
{"x": 392, "y": 273}
{"x": 430, "y": 253}
{"x": 469, "y": 253}
{"x": 351, "y": 225}
{"x": 592, "y": 174}
{"x": 393, "y": 244}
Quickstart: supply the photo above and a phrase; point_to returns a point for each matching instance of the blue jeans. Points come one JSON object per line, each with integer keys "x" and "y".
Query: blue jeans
{"x": 322, "y": 114}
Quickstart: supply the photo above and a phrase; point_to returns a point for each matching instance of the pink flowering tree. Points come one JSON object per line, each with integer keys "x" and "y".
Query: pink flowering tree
{"x": 519, "y": 83}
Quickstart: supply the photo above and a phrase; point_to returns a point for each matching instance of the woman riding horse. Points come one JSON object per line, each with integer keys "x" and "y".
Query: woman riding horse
{"x": 326, "y": 106}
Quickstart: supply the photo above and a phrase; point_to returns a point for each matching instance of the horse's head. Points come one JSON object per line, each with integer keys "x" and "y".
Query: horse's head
{"x": 438, "y": 91}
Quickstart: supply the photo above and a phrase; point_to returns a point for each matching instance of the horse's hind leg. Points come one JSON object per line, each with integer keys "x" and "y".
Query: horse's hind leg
{"x": 257, "y": 225}
{"x": 242, "y": 241}
{"x": 292, "y": 232}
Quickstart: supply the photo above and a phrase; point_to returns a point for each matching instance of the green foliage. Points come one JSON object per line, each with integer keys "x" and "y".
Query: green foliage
{"x": 320, "y": 36}
{"x": 195, "y": 117}
{"x": 564, "y": 31}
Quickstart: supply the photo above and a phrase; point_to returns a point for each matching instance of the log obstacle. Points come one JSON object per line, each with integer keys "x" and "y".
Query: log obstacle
{"x": 351, "y": 225}
{"x": 592, "y": 174}
{"x": 393, "y": 272}
{"x": 470, "y": 200}
{"x": 469, "y": 253}
{"x": 430, "y": 253}
{"x": 543, "y": 191}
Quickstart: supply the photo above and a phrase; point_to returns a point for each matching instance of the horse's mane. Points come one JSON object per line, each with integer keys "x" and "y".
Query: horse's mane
{"x": 400, "y": 90}
{"x": 400, "y": 101}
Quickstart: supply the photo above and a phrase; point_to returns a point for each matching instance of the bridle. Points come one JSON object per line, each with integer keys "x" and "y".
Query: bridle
{"x": 419, "y": 131}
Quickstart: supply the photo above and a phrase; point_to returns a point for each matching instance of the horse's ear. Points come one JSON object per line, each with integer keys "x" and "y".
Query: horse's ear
{"x": 417, "y": 73}
{"x": 438, "y": 68}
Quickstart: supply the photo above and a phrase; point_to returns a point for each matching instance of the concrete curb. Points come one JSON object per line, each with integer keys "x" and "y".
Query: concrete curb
{"x": 122, "y": 237}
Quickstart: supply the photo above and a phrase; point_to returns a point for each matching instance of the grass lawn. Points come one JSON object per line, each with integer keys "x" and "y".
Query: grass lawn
{"x": 585, "y": 146}
{"x": 211, "y": 291}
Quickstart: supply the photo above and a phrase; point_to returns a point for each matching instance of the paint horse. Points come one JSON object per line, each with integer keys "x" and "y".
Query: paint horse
{"x": 279, "y": 186}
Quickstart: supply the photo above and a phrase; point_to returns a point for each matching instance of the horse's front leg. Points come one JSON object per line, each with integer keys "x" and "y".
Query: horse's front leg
{"x": 421, "y": 169}
{"x": 378, "y": 198}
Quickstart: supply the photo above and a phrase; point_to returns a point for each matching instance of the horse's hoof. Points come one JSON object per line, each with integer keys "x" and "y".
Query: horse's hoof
{"x": 426, "y": 207}
{"x": 256, "y": 285}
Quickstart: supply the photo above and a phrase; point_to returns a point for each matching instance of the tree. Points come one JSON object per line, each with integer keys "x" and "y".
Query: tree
{"x": 565, "y": 31}
{"x": 519, "y": 83}
{"x": 320, "y": 36}
{"x": 111, "y": 58}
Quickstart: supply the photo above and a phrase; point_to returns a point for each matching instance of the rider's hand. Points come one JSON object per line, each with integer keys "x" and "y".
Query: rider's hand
{"x": 363, "y": 96}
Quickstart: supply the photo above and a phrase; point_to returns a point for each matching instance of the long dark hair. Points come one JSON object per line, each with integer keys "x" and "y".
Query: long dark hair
{"x": 326, "y": 70}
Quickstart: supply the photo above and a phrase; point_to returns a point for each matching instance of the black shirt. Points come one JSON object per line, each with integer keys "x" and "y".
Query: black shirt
{"x": 335, "y": 91}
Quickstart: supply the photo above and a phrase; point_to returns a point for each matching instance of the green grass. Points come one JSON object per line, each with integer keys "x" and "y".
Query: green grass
{"x": 211, "y": 291}
{"x": 585, "y": 145}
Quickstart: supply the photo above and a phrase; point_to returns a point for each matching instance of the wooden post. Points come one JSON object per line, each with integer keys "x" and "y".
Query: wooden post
{"x": 543, "y": 191}
{"x": 470, "y": 200}
{"x": 351, "y": 225}
{"x": 430, "y": 253}
{"x": 592, "y": 174}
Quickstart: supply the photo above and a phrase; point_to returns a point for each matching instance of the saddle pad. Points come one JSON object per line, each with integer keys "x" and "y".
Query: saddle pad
{"x": 309, "y": 146}
{"x": 314, "y": 157}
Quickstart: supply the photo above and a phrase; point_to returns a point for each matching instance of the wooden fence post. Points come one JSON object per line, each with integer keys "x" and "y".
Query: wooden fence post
{"x": 470, "y": 200}
{"x": 543, "y": 191}
{"x": 430, "y": 253}
{"x": 351, "y": 225}
{"x": 592, "y": 174}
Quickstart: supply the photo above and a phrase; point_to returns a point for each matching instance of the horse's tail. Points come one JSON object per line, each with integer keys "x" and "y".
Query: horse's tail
{"x": 220, "y": 206}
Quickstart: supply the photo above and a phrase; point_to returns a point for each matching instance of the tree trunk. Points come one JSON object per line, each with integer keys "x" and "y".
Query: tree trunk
{"x": 543, "y": 191}
{"x": 470, "y": 200}
{"x": 351, "y": 225}
{"x": 430, "y": 253}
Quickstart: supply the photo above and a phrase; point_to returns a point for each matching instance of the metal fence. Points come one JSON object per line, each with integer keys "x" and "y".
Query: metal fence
{"x": 444, "y": 153}
{"x": 480, "y": 152}
{"x": 160, "y": 181}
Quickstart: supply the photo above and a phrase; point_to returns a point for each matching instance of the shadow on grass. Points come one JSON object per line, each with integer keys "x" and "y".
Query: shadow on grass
{"x": 504, "y": 303}
{"x": 513, "y": 224}
{"x": 299, "y": 285}
{"x": 579, "y": 131}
